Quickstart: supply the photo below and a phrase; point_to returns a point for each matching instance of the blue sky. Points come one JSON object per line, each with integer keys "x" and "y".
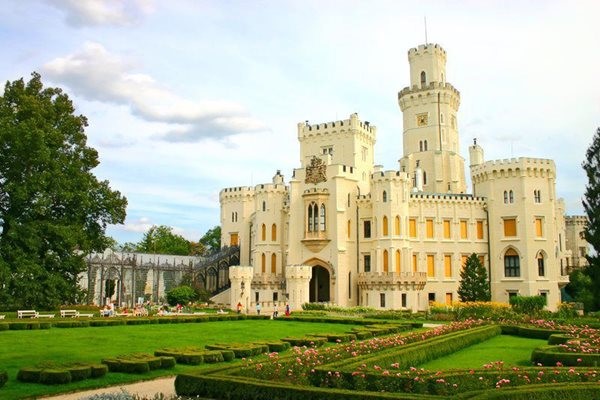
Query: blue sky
{"x": 186, "y": 97}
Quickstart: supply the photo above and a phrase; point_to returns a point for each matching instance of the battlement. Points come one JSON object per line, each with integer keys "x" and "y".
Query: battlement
{"x": 449, "y": 198}
{"x": 315, "y": 190}
{"x": 353, "y": 123}
{"x": 270, "y": 188}
{"x": 522, "y": 163}
{"x": 576, "y": 220}
{"x": 432, "y": 86}
{"x": 236, "y": 192}
{"x": 426, "y": 49}
{"x": 382, "y": 176}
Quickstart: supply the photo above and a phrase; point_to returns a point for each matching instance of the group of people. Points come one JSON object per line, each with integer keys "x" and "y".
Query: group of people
{"x": 259, "y": 308}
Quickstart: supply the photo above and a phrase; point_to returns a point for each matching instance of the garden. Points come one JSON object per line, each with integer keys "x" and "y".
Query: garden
{"x": 318, "y": 353}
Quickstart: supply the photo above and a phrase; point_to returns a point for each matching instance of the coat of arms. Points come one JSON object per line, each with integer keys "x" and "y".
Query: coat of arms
{"x": 316, "y": 171}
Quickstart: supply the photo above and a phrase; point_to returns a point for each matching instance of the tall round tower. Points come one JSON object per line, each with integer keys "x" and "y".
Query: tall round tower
{"x": 430, "y": 137}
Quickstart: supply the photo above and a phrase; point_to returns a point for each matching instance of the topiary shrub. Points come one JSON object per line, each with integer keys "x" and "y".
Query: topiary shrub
{"x": 4, "y": 327}
{"x": 29, "y": 374}
{"x": 228, "y": 355}
{"x": 212, "y": 357}
{"x": 3, "y": 378}
{"x": 80, "y": 372}
{"x": 98, "y": 370}
{"x": 167, "y": 362}
{"x": 55, "y": 376}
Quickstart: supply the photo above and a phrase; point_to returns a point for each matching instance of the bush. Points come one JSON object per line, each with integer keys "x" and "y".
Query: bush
{"x": 181, "y": 295}
{"x": 528, "y": 305}
{"x": 80, "y": 372}
{"x": 55, "y": 376}
{"x": 29, "y": 374}
{"x": 22, "y": 326}
{"x": 551, "y": 355}
{"x": 4, "y": 327}
{"x": 167, "y": 362}
{"x": 305, "y": 341}
{"x": 228, "y": 355}
{"x": 3, "y": 378}
{"x": 98, "y": 370}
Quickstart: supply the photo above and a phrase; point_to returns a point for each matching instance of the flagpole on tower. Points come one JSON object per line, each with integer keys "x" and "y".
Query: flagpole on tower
{"x": 425, "y": 20}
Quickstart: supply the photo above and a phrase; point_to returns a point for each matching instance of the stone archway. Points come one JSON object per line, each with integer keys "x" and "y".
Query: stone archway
{"x": 320, "y": 285}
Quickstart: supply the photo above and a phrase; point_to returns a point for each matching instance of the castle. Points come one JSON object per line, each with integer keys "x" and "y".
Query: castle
{"x": 344, "y": 231}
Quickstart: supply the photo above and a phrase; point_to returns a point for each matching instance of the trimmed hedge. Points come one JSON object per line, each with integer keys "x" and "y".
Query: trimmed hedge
{"x": 550, "y": 355}
{"x": 51, "y": 374}
{"x": 3, "y": 378}
{"x": 80, "y": 372}
{"x": 98, "y": 370}
{"x": 55, "y": 376}
{"x": 194, "y": 356}
{"x": 240, "y": 350}
{"x": 559, "y": 338}
{"x": 309, "y": 341}
{"x": 529, "y": 332}
{"x": 277, "y": 347}
{"x": 138, "y": 363}
{"x": 554, "y": 391}
{"x": 29, "y": 374}
{"x": 4, "y": 326}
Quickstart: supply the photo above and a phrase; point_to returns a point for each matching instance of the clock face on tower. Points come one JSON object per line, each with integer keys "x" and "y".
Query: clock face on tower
{"x": 422, "y": 119}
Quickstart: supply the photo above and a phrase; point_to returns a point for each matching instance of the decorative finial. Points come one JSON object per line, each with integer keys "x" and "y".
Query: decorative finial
{"x": 474, "y": 141}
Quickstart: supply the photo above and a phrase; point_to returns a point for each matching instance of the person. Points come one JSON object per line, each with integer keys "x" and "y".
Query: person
{"x": 275, "y": 312}
{"x": 287, "y": 310}
{"x": 239, "y": 308}
{"x": 179, "y": 307}
{"x": 258, "y": 308}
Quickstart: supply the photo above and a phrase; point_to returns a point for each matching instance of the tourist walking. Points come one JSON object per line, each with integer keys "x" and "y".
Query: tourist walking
{"x": 258, "y": 308}
{"x": 239, "y": 308}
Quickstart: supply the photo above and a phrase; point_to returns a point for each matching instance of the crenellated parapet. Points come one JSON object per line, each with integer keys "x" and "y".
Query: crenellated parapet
{"x": 513, "y": 168}
{"x": 576, "y": 220}
{"x": 271, "y": 188}
{"x": 415, "y": 95}
{"x": 237, "y": 192}
{"x": 429, "y": 48}
{"x": 352, "y": 125}
{"x": 389, "y": 176}
{"x": 454, "y": 198}
{"x": 392, "y": 280}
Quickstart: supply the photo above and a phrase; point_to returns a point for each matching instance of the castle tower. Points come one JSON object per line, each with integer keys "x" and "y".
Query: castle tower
{"x": 430, "y": 136}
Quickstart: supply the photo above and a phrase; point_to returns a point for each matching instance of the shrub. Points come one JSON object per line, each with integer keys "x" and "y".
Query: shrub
{"x": 528, "y": 305}
{"x": 167, "y": 362}
{"x": 80, "y": 372}
{"x": 181, "y": 295}
{"x": 55, "y": 376}
{"x": 29, "y": 374}
{"x": 4, "y": 327}
{"x": 3, "y": 378}
{"x": 98, "y": 370}
{"x": 228, "y": 355}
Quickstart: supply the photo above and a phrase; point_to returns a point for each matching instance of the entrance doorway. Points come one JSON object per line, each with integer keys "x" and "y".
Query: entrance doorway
{"x": 319, "y": 285}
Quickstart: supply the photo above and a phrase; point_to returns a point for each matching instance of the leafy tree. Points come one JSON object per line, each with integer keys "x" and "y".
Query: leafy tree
{"x": 591, "y": 206}
{"x": 474, "y": 285}
{"x": 181, "y": 295}
{"x": 580, "y": 288}
{"x": 53, "y": 210}
{"x": 211, "y": 240}
{"x": 162, "y": 240}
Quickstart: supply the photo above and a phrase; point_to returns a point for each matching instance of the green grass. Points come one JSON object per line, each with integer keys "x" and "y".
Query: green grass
{"x": 27, "y": 348}
{"x": 514, "y": 351}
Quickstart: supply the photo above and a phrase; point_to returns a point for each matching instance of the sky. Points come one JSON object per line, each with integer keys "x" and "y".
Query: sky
{"x": 187, "y": 97}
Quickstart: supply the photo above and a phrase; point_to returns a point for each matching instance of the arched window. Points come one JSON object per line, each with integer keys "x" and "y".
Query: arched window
{"x": 398, "y": 261}
{"x": 424, "y": 145}
{"x": 397, "y": 225}
{"x": 384, "y": 196}
{"x": 232, "y": 217}
{"x": 511, "y": 198}
{"x": 349, "y": 228}
{"x": 310, "y": 217}
{"x": 348, "y": 199}
{"x": 273, "y": 263}
{"x": 540, "y": 263}
{"x": 236, "y": 215}
{"x": 512, "y": 267}
{"x": 264, "y": 206}
{"x": 263, "y": 263}
{"x": 424, "y": 178}
{"x": 274, "y": 232}
{"x": 423, "y": 78}
{"x": 315, "y": 216}
{"x": 505, "y": 197}
{"x": 385, "y": 226}
{"x": 420, "y": 145}
{"x": 385, "y": 261}
{"x": 263, "y": 232}
{"x": 323, "y": 217}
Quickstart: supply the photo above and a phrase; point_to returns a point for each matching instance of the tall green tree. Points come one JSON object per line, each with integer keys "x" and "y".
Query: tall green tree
{"x": 211, "y": 240}
{"x": 53, "y": 210}
{"x": 591, "y": 206}
{"x": 162, "y": 240}
{"x": 474, "y": 285}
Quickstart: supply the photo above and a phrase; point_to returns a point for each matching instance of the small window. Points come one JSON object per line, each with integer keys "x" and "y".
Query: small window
{"x": 511, "y": 197}
{"x": 479, "y": 229}
{"x": 424, "y": 178}
{"x": 385, "y": 226}
{"x": 264, "y": 206}
{"x": 512, "y": 268}
{"x": 398, "y": 262}
{"x": 367, "y": 229}
{"x": 386, "y": 265}
{"x": 412, "y": 227}
{"x": 423, "y": 78}
{"x": 323, "y": 226}
{"x": 273, "y": 263}
{"x": 397, "y": 225}
{"x": 537, "y": 196}
{"x": 367, "y": 262}
{"x": 415, "y": 262}
{"x": 464, "y": 234}
{"x": 429, "y": 228}
{"x": 384, "y": 196}
{"x": 447, "y": 266}
{"x": 263, "y": 232}
{"x": 510, "y": 227}
{"x": 420, "y": 145}
{"x": 263, "y": 263}
{"x": 538, "y": 227}
{"x": 403, "y": 300}
{"x": 505, "y": 197}
{"x": 382, "y": 299}
{"x": 431, "y": 297}
{"x": 447, "y": 232}
{"x": 275, "y": 296}
{"x": 425, "y": 145}
{"x": 274, "y": 232}
{"x": 430, "y": 266}
{"x": 448, "y": 299}
{"x": 540, "y": 263}
{"x": 256, "y": 296}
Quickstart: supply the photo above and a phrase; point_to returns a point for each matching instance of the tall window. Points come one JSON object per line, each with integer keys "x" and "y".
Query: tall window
{"x": 367, "y": 262}
{"x": 386, "y": 265}
{"x": 447, "y": 229}
{"x": 385, "y": 226}
{"x": 384, "y": 196}
{"x": 505, "y": 197}
{"x": 323, "y": 226}
{"x": 423, "y": 78}
{"x": 538, "y": 227}
{"x": 425, "y": 175}
{"x": 397, "y": 225}
{"x": 429, "y": 228}
{"x": 420, "y": 145}
{"x": 511, "y": 197}
{"x": 412, "y": 227}
{"x": 348, "y": 228}
{"x": 273, "y": 263}
{"x": 264, "y": 206}
{"x": 367, "y": 229}
{"x": 510, "y": 227}
{"x": 382, "y": 299}
{"x": 430, "y": 266}
{"x": 447, "y": 266}
{"x": 263, "y": 263}
{"x": 540, "y": 263}
{"x": 398, "y": 265}
{"x": 233, "y": 239}
{"x": 274, "y": 232}
{"x": 512, "y": 267}
{"x": 537, "y": 196}
{"x": 479, "y": 229}
{"x": 463, "y": 229}
{"x": 425, "y": 145}
{"x": 310, "y": 217}
{"x": 415, "y": 261}
{"x": 263, "y": 232}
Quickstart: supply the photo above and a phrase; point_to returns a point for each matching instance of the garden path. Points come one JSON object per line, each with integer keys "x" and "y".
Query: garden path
{"x": 165, "y": 386}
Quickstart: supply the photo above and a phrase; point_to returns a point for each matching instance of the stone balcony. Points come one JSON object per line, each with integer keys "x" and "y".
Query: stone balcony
{"x": 392, "y": 280}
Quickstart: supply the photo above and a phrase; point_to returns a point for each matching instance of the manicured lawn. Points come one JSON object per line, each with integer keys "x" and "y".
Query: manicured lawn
{"x": 26, "y": 348}
{"x": 512, "y": 350}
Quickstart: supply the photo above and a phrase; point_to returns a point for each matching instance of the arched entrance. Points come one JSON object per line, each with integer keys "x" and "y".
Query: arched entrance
{"x": 319, "y": 285}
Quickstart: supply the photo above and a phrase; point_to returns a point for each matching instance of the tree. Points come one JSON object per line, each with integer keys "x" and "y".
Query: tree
{"x": 180, "y": 295}
{"x": 591, "y": 206}
{"x": 580, "y": 289}
{"x": 474, "y": 285}
{"x": 211, "y": 240}
{"x": 53, "y": 210}
{"x": 162, "y": 240}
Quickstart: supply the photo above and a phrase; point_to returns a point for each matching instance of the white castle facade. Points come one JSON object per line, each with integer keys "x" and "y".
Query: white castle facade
{"x": 347, "y": 232}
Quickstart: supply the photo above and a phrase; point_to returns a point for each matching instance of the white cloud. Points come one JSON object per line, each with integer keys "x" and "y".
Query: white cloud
{"x": 95, "y": 74}
{"x": 80, "y": 13}
{"x": 140, "y": 225}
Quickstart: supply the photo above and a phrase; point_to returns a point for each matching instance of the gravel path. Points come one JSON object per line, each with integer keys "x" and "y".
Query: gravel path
{"x": 165, "y": 386}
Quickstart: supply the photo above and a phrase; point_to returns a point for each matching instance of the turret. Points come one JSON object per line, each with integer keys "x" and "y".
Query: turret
{"x": 427, "y": 64}
{"x": 476, "y": 154}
